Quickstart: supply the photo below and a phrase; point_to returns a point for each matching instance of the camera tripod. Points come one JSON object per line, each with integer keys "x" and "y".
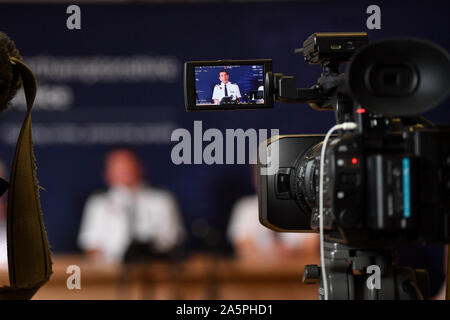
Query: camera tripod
{"x": 352, "y": 273}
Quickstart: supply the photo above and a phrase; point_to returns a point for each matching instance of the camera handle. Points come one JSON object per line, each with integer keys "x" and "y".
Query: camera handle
{"x": 285, "y": 90}
{"x": 328, "y": 94}
{"x": 350, "y": 278}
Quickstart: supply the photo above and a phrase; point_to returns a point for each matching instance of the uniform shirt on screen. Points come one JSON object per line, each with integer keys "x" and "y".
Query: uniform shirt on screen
{"x": 232, "y": 89}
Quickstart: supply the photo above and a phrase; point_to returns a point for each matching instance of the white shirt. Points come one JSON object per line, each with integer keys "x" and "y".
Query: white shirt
{"x": 261, "y": 89}
{"x": 106, "y": 221}
{"x": 232, "y": 90}
{"x": 244, "y": 224}
{"x": 3, "y": 246}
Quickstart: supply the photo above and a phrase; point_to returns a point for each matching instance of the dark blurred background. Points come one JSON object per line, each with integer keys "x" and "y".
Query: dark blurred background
{"x": 118, "y": 81}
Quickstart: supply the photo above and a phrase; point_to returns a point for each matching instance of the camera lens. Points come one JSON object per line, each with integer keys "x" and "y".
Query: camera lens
{"x": 305, "y": 179}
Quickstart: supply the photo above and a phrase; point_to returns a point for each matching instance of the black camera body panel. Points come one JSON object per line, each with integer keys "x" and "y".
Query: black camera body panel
{"x": 323, "y": 47}
{"x": 432, "y": 148}
{"x": 371, "y": 194}
{"x": 375, "y": 192}
{"x": 277, "y": 210}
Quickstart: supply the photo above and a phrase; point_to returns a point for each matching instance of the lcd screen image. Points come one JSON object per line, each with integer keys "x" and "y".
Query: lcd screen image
{"x": 229, "y": 85}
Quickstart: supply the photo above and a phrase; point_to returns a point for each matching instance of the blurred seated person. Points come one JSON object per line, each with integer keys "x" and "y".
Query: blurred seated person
{"x": 260, "y": 94}
{"x": 252, "y": 240}
{"x": 130, "y": 218}
{"x": 3, "y": 234}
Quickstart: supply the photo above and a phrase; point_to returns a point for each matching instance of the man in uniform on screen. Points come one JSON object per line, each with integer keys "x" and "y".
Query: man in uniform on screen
{"x": 225, "y": 88}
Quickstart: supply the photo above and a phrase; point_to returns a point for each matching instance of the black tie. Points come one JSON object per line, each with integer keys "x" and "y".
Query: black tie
{"x": 226, "y": 91}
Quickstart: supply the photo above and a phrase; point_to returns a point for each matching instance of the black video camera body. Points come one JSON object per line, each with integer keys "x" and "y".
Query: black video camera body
{"x": 386, "y": 182}
{"x": 378, "y": 190}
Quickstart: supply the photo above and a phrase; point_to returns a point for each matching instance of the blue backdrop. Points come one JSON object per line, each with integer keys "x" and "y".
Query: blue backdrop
{"x": 118, "y": 81}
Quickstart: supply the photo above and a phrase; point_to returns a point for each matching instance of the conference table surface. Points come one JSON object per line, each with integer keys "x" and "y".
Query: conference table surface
{"x": 201, "y": 276}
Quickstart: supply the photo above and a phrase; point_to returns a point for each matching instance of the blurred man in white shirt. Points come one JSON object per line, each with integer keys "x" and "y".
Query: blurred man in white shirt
{"x": 128, "y": 211}
{"x": 3, "y": 233}
{"x": 253, "y": 240}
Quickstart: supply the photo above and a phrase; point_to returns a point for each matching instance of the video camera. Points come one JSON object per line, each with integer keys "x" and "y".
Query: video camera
{"x": 387, "y": 181}
{"x": 386, "y": 173}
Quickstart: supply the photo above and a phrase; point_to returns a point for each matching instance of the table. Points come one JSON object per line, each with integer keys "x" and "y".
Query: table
{"x": 199, "y": 277}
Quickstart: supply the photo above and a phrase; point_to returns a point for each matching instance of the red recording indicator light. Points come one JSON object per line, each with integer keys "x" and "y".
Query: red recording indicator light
{"x": 354, "y": 160}
{"x": 361, "y": 110}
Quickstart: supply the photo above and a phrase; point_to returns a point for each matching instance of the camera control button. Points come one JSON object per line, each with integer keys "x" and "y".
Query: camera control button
{"x": 311, "y": 274}
{"x": 282, "y": 183}
{"x": 349, "y": 217}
